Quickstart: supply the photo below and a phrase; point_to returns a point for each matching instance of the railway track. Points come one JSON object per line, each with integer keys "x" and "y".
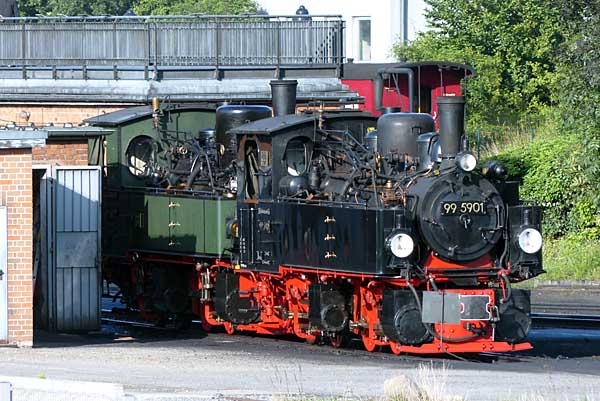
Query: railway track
{"x": 582, "y": 309}
{"x": 149, "y": 330}
{"x": 559, "y": 305}
{"x": 582, "y": 315}
{"x": 570, "y": 314}
{"x": 130, "y": 319}
{"x": 560, "y": 324}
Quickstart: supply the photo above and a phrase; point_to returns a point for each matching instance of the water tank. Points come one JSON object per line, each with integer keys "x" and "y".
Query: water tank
{"x": 397, "y": 133}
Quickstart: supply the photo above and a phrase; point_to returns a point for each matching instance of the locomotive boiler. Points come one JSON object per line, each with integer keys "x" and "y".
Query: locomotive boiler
{"x": 327, "y": 225}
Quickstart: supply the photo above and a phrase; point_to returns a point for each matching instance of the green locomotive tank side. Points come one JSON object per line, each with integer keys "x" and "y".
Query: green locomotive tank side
{"x": 182, "y": 225}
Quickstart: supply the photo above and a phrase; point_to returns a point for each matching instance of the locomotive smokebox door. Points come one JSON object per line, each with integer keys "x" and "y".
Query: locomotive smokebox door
{"x": 460, "y": 215}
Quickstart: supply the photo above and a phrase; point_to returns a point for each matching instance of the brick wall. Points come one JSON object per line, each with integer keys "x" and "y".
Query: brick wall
{"x": 16, "y": 193}
{"x": 72, "y": 152}
{"x": 41, "y": 115}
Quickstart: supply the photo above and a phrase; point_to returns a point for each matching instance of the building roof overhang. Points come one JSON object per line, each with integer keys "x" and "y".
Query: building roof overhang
{"x": 14, "y": 139}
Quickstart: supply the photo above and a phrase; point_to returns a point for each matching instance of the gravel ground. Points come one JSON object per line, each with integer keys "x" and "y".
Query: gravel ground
{"x": 161, "y": 365}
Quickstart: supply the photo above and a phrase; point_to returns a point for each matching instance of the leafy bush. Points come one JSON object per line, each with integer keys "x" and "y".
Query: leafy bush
{"x": 551, "y": 173}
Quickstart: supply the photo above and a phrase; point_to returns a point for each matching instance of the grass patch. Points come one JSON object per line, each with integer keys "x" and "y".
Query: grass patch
{"x": 572, "y": 258}
{"x": 500, "y": 140}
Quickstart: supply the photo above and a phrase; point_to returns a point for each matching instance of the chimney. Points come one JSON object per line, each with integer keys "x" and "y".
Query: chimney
{"x": 451, "y": 119}
{"x": 283, "y": 93}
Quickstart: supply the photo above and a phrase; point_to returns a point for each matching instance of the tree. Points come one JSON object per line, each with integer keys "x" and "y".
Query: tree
{"x": 86, "y": 7}
{"x": 31, "y": 8}
{"x": 74, "y": 7}
{"x": 183, "y": 7}
{"x": 580, "y": 94}
{"x": 580, "y": 64}
{"x": 141, "y": 7}
{"x": 512, "y": 44}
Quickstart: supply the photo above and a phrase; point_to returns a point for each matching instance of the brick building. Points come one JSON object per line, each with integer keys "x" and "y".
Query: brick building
{"x": 28, "y": 163}
{"x": 41, "y": 115}
{"x": 78, "y": 146}
{"x": 16, "y": 302}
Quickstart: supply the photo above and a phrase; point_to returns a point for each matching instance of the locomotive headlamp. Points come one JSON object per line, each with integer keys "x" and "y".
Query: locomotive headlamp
{"x": 530, "y": 240}
{"x": 466, "y": 161}
{"x": 401, "y": 245}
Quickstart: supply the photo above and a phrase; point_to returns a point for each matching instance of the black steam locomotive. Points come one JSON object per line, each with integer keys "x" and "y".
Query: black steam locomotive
{"x": 326, "y": 225}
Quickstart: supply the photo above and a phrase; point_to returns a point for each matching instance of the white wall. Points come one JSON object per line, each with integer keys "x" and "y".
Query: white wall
{"x": 416, "y": 18}
{"x": 386, "y": 20}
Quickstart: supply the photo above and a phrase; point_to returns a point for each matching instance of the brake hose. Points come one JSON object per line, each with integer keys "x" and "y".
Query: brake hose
{"x": 508, "y": 289}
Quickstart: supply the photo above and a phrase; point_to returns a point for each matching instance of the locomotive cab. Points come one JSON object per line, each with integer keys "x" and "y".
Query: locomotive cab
{"x": 294, "y": 214}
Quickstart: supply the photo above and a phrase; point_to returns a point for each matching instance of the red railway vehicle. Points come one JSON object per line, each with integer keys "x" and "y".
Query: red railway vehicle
{"x": 385, "y": 87}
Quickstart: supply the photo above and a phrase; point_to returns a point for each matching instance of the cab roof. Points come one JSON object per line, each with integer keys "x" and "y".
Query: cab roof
{"x": 130, "y": 114}
{"x": 273, "y": 125}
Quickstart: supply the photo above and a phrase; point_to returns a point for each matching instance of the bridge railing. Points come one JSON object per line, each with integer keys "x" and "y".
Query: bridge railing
{"x": 248, "y": 40}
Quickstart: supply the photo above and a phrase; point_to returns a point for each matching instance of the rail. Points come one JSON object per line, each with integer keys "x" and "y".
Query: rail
{"x": 568, "y": 314}
{"x": 172, "y": 41}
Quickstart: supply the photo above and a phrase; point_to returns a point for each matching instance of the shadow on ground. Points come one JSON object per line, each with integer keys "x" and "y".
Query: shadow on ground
{"x": 565, "y": 342}
{"x": 547, "y": 342}
{"x": 113, "y": 334}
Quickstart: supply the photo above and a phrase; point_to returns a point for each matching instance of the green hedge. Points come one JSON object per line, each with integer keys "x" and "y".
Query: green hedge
{"x": 555, "y": 172}
{"x": 551, "y": 172}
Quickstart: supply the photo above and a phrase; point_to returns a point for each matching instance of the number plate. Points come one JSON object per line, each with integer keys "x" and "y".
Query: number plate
{"x": 463, "y": 207}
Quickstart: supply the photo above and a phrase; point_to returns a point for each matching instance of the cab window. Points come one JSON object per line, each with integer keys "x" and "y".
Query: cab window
{"x": 297, "y": 156}
{"x": 140, "y": 155}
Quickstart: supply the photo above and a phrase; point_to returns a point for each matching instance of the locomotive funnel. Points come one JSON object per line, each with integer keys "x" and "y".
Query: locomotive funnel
{"x": 451, "y": 115}
{"x": 283, "y": 92}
